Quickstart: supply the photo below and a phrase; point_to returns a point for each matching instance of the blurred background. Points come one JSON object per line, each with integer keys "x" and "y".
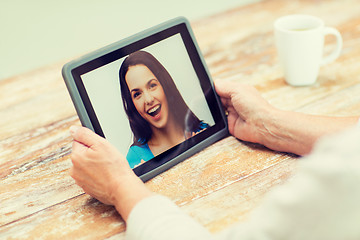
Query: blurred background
{"x": 35, "y": 33}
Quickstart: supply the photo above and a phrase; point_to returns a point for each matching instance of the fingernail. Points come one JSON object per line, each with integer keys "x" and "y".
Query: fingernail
{"x": 73, "y": 129}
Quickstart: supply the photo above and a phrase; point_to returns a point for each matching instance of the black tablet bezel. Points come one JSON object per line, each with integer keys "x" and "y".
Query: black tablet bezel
{"x": 72, "y": 74}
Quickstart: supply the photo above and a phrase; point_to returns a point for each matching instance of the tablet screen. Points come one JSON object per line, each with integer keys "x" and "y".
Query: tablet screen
{"x": 151, "y": 98}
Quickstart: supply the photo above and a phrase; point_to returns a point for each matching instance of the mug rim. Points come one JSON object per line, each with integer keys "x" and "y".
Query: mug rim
{"x": 281, "y": 21}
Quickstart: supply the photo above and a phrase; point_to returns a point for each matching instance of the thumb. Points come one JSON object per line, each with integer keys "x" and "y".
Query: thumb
{"x": 224, "y": 89}
{"x": 84, "y": 136}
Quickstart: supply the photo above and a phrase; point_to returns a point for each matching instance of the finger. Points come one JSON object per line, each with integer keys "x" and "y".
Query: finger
{"x": 78, "y": 153}
{"x": 226, "y": 102}
{"x": 77, "y": 158}
{"x": 224, "y": 89}
{"x": 85, "y": 136}
{"x": 78, "y": 147}
{"x": 232, "y": 120}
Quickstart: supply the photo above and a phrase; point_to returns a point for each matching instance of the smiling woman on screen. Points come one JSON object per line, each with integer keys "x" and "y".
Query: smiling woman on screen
{"x": 158, "y": 115}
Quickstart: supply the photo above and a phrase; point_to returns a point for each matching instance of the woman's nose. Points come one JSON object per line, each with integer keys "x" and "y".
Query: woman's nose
{"x": 149, "y": 98}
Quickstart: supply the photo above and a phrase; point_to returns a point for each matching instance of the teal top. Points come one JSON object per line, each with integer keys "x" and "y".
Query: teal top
{"x": 137, "y": 153}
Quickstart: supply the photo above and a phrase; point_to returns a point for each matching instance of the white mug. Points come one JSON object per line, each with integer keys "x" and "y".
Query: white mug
{"x": 300, "y": 41}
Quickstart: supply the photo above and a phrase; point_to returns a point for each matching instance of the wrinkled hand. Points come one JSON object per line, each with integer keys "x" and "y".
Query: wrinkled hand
{"x": 246, "y": 109}
{"x": 97, "y": 165}
{"x": 103, "y": 172}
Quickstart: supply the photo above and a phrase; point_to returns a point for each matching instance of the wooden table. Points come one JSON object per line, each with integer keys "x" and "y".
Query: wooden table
{"x": 218, "y": 186}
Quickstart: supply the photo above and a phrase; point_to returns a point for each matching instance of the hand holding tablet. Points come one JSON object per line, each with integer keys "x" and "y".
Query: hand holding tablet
{"x": 150, "y": 96}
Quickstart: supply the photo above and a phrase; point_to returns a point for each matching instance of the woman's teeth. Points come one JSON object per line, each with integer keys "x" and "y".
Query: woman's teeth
{"x": 153, "y": 111}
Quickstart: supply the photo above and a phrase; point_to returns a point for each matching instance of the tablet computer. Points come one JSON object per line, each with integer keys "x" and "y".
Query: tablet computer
{"x": 150, "y": 95}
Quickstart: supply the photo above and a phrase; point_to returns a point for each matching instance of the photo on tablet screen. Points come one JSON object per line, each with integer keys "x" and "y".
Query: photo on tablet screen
{"x": 139, "y": 97}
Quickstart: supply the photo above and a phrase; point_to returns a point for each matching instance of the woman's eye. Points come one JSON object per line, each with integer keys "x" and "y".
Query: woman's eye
{"x": 153, "y": 85}
{"x": 137, "y": 94}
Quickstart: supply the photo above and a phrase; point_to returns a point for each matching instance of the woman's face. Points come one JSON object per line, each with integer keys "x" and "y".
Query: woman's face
{"x": 147, "y": 95}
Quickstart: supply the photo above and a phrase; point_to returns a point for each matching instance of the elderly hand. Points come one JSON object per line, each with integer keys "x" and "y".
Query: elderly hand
{"x": 103, "y": 172}
{"x": 247, "y": 111}
{"x": 251, "y": 118}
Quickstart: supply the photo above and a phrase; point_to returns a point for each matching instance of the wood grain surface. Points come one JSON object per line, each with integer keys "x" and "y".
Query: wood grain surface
{"x": 218, "y": 186}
